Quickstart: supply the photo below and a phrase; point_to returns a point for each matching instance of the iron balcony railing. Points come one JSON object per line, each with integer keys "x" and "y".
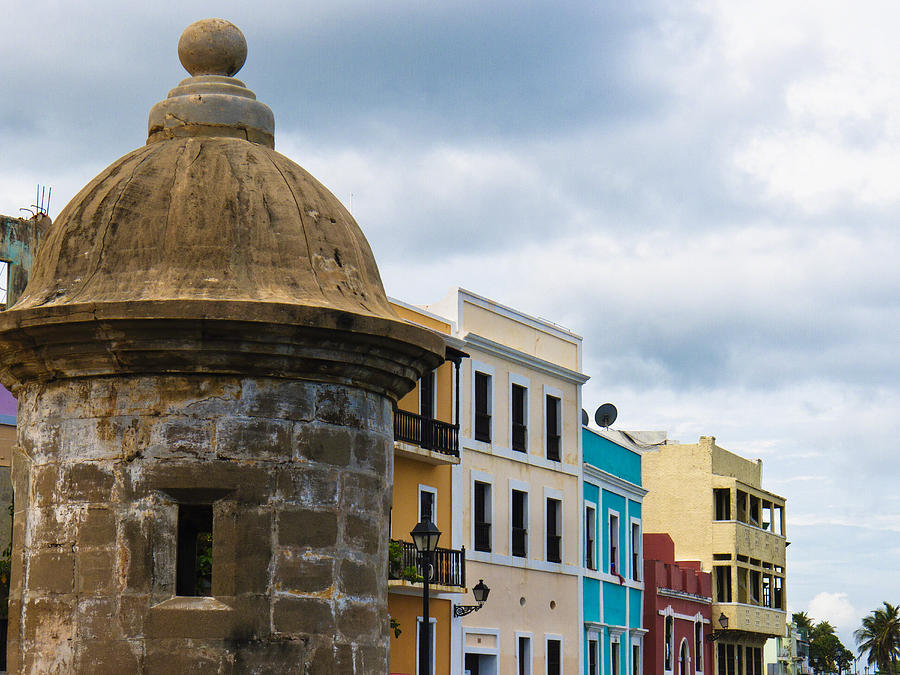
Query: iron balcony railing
{"x": 519, "y": 542}
{"x": 482, "y": 536}
{"x": 449, "y": 565}
{"x": 427, "y": 433}
{"x": 554, "y": 552}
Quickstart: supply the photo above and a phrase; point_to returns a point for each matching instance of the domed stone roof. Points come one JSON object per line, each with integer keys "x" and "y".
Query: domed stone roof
{"x": 208, "y": 224}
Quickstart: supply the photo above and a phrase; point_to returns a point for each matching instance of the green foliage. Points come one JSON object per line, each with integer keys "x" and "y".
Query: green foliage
{"x": 204, "y": 563}
{"x": 826, "y": 651}
{"x": 396, "y": 570}
{"x": 879, "y": 637}
{"x": 395, "y": 626}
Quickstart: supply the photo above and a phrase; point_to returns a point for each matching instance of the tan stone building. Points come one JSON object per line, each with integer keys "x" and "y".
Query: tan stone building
{"x": 713, "y": 505}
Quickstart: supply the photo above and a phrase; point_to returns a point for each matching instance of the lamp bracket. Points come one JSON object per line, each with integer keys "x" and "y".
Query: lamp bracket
{"x": 462, "y": 610}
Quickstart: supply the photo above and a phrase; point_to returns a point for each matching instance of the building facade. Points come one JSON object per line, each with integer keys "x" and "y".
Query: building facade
{"x": 677, "y": 611}
{"x": 517, "y": 493}
{"x": 612, "y": 555}
{"x": 736, "y": 529}
{"x": 426, "y": 447}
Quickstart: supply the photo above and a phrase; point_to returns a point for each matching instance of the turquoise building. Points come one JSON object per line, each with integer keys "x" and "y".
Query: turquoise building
{"x": 612, "y": 559}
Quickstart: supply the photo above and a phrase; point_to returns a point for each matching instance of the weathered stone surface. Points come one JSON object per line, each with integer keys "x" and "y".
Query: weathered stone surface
{"x": 102, "y": 565}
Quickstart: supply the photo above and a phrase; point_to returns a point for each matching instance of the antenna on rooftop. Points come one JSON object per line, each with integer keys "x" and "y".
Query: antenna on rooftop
{"x": 605, "y": 415}
{"x": 41, "y": 201}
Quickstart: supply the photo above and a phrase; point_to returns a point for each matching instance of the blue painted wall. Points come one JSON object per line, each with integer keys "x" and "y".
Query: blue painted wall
{"x": 611, "y": 457}
{"x": 610, "y": 603}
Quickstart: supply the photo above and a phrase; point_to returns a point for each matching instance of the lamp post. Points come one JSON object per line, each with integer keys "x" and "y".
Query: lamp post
{"x": 716, "y": 634}
{"x": 425, "y": 536}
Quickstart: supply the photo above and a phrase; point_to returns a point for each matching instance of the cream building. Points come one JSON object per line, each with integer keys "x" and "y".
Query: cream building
{"x": 517, "y": 490}
{"x": 712, "y": 503}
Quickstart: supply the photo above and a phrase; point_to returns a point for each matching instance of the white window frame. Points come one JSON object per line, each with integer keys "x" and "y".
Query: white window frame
{"x": 636, "y": 522}
{"x": 698, "y": 655}
{"x": 594, "y": 636}
{"x": 434, "y": 503}
{"x": 432, "y": 622}
{"x": 562, "y": 652}
{"x": 639, "y": 643}
{"x": 553, "y": 391}
{"x": 479, "y": 367}
{"x": 529, "y": 665}
{"x": 487, "y": 478}
{"x": 610, "y": 514}
{"x": 551, "y": 493}
{"x": 669, "y": 613}
{"x": 615, "y": 639}
{"x": 521, "y": 486}
{"x": 591, "y": 506}
{"x": 526, "y": 383}
{"x": 681, "y": 645}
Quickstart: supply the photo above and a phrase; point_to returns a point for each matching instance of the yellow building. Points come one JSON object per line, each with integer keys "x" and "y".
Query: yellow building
{"x": 517, "y": 492}
{"x": 426, "y": 447}
{"x": 712, "y": 503}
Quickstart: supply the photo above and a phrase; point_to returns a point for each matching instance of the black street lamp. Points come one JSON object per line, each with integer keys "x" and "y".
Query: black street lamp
{"x": 480, "y": 591}
{"x": 716, "y": 634}
{"x": 425, "y": 536}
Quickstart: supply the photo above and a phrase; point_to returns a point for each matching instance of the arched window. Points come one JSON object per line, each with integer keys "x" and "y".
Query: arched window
{"x": 684, "y": 659}
{"x": 670, "y": 641}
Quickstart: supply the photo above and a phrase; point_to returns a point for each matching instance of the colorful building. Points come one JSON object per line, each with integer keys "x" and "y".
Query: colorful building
{"x": 677, "y": 611}
{"x": 713, "y": 505}
{"x": 517, "y": 493}
{"x": 426, "y": 447}
{"x": 612, "y": 557}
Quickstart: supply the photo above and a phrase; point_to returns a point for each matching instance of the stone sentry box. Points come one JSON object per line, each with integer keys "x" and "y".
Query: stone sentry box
{"x": 205, "y": 329}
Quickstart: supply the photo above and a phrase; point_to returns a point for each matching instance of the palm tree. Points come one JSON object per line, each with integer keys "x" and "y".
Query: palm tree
{"x": 879, "y": 637}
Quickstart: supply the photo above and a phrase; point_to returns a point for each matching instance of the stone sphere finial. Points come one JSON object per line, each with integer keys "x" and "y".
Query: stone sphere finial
{"x": 212, "y": 47}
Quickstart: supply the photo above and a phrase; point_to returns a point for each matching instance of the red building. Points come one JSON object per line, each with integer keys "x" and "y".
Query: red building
{"x": 677, "y": 609}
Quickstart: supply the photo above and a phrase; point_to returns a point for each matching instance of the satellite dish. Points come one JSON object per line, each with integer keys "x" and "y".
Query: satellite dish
{"x": 585, "y": 420}
{"x": 605, "y": 415}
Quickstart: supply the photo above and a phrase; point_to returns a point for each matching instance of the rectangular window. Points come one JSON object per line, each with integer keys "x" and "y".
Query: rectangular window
{"x": 426, "y": 396}
{"x": 723, "y": 582}
{"x": 766, "y": 590}
{"x": 554, "y": 427}
{"x": 554, "y": 657}
{"x": 670, "y": 643}
{"x": 722, "y": 660}
{"x": 754, "y": 587}
{"x": 739, "y": 660}
{"x": 636, "y": 551}
{"x": 519, "y": 523}
{"x": 523, "y": 655}
{"x": 613, "y": 543}
{"x": 422, "y": 635}
{"x": 593, "y": 661}
{"x": 482, "y": 407}
{"x": 757, "y": 661}
{"x": 722, "y": 497}
{"x": 590, "y": 537}
{"x": 426, "y": 505}
{"x": 482, "y": 521}
{"x": 519, "y": 432}
{"x": 615, "y": 658}
{"x": 729, "y": 659}
{"x": 636, "y": 660}
{"x": 698, "y": 646}
{"x": 778, "y": 593}
{"x": 554, "y": 530}
{"x": 193, "y": 563}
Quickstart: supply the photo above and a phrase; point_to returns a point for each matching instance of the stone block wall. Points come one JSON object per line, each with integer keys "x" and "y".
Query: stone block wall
{"x": 299, "y": 478}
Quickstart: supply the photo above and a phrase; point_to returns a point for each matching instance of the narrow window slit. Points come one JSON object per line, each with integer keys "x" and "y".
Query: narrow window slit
{"x": 193, "y": 566}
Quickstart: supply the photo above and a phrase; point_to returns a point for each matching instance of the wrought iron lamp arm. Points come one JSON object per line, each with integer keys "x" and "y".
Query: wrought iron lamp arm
{"x": 463, "y": 610}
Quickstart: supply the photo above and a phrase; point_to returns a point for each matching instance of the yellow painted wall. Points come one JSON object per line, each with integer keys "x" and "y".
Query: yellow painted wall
{"x": 406, "y": 609}
{"x": 444, "y": 394}
{"x": 680, "y": 479}
{"x": 408, "y": 474}
{"x": 520, "y": 336}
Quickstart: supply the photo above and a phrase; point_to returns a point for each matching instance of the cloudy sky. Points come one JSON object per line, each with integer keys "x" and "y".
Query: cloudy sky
{"x": 706, "y": 191}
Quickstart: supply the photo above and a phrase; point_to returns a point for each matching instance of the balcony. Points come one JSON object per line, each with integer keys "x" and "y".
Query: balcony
{"x": 425, "y": 438}
{"x": 449, "y": 568}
